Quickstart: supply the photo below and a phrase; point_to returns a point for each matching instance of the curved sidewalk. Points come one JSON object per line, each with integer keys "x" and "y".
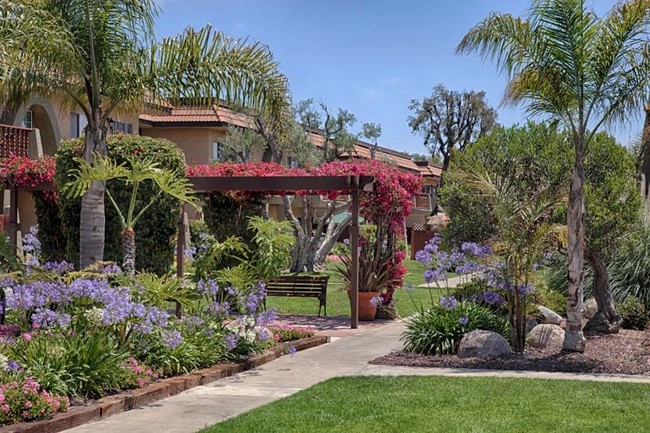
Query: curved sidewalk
{"x": 347, "y": 356}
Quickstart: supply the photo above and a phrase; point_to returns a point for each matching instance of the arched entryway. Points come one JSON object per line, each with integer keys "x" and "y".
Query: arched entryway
{"x": 38, "y": 113}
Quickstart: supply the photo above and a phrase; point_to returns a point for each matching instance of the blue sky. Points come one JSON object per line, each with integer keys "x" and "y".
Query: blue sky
{"x": 370, "y": 57}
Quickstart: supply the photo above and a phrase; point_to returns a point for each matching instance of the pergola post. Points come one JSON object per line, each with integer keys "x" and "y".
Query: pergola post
{"x": 354, "y": 250}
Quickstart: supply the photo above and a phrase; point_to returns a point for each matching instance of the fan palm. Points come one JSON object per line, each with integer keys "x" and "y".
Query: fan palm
{"x": 586, "y": 71}
{"x": 133, "y": 174}
{"x": 101, "y": 56}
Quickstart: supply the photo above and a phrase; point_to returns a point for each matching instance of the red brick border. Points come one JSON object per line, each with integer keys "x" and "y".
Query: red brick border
{"x": 128, "y": 400}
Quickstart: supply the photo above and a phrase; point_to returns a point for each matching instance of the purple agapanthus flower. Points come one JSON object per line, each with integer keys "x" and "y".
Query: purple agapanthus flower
{"x": 448, "y": 302}
{"x": 172, "y": 339}
{"x": 463, "y": 321}
{"x": 231, "y": 341}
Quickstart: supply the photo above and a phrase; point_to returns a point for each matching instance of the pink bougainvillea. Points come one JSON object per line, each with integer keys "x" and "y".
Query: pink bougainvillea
{"x": 25, "y": 172}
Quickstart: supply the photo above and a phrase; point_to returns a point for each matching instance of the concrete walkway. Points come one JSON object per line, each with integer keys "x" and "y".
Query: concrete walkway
{"x": 208, "y": 404}
{"x": 343, "y": 356}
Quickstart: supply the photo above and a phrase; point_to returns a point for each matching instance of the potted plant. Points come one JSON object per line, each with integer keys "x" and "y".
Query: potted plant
{"x": 378, "y": 268}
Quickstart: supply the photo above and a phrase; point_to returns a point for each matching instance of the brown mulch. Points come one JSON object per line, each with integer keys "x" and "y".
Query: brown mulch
{"x": 625, "y": 353}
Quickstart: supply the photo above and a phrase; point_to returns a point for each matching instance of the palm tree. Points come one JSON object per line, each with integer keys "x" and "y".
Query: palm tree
{"x": 525, "y": 232}
{"x": 132, "y": 175}
{"x": 583, "y": 70}
{"x": 101, "y": 56}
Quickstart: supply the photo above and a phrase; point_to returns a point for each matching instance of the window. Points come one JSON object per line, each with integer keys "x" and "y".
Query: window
{"x": 217, "y": 151}
{"x": 292, "y": 162}
{"x": 27, "y": 120}
{"x": 122, "y": 127}
{"x": 78, "y": 123}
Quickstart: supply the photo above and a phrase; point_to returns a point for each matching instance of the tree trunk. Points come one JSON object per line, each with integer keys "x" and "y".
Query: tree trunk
{"x": 333, "y": 233}
{"x": 606, "y": 320}
{"x": 93, "y": 218}
{"x": 573, "y": 338}
{"x": 645, "y": 149}
{"x": 128, "y": 250}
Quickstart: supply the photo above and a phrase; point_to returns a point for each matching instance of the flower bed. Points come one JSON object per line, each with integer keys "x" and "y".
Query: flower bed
{"x": 88, "y": 334}
{"x": 164, "y": 388}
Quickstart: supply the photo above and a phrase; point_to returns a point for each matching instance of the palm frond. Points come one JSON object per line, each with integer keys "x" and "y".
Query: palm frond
{"x": 102, "y": 169}
{"x": 205, "y": 66}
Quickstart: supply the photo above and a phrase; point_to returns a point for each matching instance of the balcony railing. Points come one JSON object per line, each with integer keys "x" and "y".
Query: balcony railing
{"x": 14, "y": 141}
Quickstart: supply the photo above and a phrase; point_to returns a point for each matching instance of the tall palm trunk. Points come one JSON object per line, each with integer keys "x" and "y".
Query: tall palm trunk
{"x": 93, "y": 219}
{"x": 607, "y": 320}
{"x": 573, "y": 338}
{"x": 645, "y": 149}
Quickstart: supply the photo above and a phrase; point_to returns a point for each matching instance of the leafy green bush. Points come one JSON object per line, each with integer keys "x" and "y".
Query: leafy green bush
{"x": 86, "y": 364}
{"x": 552, "y": 299}
{"x": 157, "y": 229}
{"x": 183, "y": 349}
{"x": 439, "y": 330}
{"x": 227, "y": 216}
{"x": 629, "y": 269}
{"x": 635, "y": 315}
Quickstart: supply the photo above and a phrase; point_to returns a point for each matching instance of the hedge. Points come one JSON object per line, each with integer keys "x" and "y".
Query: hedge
{"x": 155, "y": 233}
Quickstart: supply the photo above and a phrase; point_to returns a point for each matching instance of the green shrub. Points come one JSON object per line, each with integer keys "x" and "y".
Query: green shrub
{"x": 629, "y": 269}
{"x": 183, "y": 348}
{"x": 157, "y": 229}
{"x": 86, "y": 364}
{"x": 226, "y": 216}
{"x": 439, "y": 330}
{"x": 552, "y": 299}
{"x": 635, "y": 315}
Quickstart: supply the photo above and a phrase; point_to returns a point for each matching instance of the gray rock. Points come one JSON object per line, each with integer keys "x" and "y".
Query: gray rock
{"x": 590, "y": 309}
{"x": 530, "y": 324}
{"x": 481, "y": 343}
{"x": 546, "y": 335}
{"x": 549, "y": 316}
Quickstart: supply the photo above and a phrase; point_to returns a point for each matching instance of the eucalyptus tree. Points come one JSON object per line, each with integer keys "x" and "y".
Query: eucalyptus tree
{"x": 564, "y": 61}
{"x": 101, "y": 56}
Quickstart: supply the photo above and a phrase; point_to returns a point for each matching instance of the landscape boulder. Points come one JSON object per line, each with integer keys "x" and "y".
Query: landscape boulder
{"x": 546, "y": 335}
{"x": 590, "y": 309}
{"x": 481, "y": 344}
{"x": 549, "y": 316}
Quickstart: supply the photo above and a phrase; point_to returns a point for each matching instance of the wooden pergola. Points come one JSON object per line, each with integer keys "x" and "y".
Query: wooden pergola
{"x": 268, "y": 184}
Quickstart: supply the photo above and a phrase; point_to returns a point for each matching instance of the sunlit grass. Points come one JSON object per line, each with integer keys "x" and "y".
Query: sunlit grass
{"x": 449, "y": 405}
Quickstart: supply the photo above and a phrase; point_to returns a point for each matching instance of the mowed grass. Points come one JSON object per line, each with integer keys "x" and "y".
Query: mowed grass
{"x": 338, "y": 303}
{"x": 445, "y": 404}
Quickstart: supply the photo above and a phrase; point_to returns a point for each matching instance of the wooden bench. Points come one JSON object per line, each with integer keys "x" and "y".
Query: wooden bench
{"x": 299, "y": 286}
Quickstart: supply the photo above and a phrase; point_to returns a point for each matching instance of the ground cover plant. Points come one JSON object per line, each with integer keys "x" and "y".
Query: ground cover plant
{"x": 444, "y": 404}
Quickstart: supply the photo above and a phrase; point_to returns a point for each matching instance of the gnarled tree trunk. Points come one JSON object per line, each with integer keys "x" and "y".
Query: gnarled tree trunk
{"x": 607, "y": 320}
{"x": 574, "y": 340}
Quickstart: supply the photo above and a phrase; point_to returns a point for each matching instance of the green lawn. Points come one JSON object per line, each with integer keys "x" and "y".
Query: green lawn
{"x": 338, "y": 303}
{"x": 445, "y": 404}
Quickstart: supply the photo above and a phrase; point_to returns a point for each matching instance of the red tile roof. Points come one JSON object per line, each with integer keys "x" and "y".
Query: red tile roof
{"x": 222, "y": 115}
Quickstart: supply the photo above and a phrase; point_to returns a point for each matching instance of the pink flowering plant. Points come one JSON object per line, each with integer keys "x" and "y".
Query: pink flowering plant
{"x": 25, "y": 400}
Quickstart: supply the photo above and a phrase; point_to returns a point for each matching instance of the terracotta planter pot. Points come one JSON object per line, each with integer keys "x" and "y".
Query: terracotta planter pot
{"x": 367, "y": 310}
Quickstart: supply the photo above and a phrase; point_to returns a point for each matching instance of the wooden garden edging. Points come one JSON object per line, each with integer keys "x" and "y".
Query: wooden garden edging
{"x": 114, "y": 404}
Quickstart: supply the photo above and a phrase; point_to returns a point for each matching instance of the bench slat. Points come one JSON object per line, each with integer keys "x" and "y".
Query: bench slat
{"x": 299, "y": 286}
